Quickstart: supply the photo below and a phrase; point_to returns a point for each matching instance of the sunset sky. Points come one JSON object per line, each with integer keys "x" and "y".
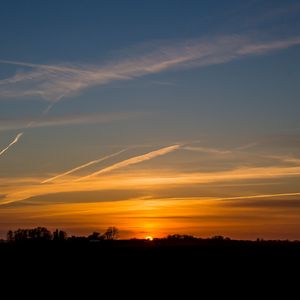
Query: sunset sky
{"x": 157, "y": 117}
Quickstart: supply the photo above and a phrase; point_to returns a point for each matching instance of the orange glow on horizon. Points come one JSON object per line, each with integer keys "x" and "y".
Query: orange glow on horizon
{"x": 142, "y": 218}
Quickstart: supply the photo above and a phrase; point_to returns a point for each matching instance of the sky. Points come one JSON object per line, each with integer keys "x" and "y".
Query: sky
{"x": 157, "y": 117}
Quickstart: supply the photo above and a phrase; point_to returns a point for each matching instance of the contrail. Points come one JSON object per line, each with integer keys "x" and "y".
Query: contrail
{"x": 48, "y": 108}
{"x": 11, "y": 143}
{"x": 41, "y": 66}
{"x": 259, "y": 196}
{"x": 44, "y": 112}
{"x": 134, "y": 160}
{"x": 84, "y": 166}
{"x": 16, "y": 139}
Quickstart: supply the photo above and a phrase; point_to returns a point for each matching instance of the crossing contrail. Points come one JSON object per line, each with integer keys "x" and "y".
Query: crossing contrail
{"x": 134, "y": 160}
{"x": 84, "y": 166}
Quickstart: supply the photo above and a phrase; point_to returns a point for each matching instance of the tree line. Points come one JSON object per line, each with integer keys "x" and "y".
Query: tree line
{"x": 43, "y": 234}
{"x": 112, "y": 233}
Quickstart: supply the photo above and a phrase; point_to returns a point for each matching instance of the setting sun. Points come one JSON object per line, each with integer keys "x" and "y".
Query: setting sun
{"x": 149, "y": 238}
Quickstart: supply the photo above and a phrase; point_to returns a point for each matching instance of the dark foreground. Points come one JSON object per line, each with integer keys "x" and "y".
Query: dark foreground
{"x": 162, "y": 254}
{"x": 160, "y": 264}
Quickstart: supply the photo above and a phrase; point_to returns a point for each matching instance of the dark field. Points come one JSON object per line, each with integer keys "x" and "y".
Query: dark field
{"x": 160, "y": 253}
{"x": 171, "y": 266}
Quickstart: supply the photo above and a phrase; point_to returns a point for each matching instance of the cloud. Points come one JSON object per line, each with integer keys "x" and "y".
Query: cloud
{"x": 247, "y": 146}
{"x": 286, "y": 159}
{"x": 80, "y": 197}
{"x": 237, "y": 174}
{"x": 260, "y": 48}
{"x": 133, "y": 161}
{"x": 18, "y": 189}
{"x": 15, "y": 140}
{"x": 284, "y": 202}
{"x": 84, "y": 166}
{"x": 53, "y": 82}
{"x": 206, "y": 150}
{"x": 63, "y": 120}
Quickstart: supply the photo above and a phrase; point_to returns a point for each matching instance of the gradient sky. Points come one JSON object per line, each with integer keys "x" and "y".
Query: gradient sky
{"x": 157, "y": 117}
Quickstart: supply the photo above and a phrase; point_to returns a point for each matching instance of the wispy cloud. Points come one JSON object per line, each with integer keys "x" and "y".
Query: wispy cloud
{"x": 246, "y": 146}
{"x": 15, "y": 140}
{"x": 260, "y": 48}
{"x": 84, "y": 166}
{"x": 63, "y": 120}
{"x": 286, "y": 159}
{"x": 134, "y": 160}
{"x": 16, "y": 189}
{"x": 206, "y": 150}
{"x": 54, "y": 82}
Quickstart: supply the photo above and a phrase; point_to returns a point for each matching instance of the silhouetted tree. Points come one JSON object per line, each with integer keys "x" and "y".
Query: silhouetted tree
{"x": 10, "y": 236}
{"x": 180, "y": 237}
{"x": 111, "y": 233}
{"x": 39, "y": 233}
{"x": 21, "y": 235}
{"x": 95, "y": 236}
{"x": 59, "y": 235}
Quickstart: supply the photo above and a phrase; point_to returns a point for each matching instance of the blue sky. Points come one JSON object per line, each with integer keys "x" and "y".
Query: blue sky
{"x": 80, "y": 80}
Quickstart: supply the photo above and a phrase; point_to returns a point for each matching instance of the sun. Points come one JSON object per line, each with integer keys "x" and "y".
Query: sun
{"x": 149, "y": 238}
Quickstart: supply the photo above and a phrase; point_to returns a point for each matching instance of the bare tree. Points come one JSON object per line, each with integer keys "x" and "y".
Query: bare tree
{"x": 111, "y": 233}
